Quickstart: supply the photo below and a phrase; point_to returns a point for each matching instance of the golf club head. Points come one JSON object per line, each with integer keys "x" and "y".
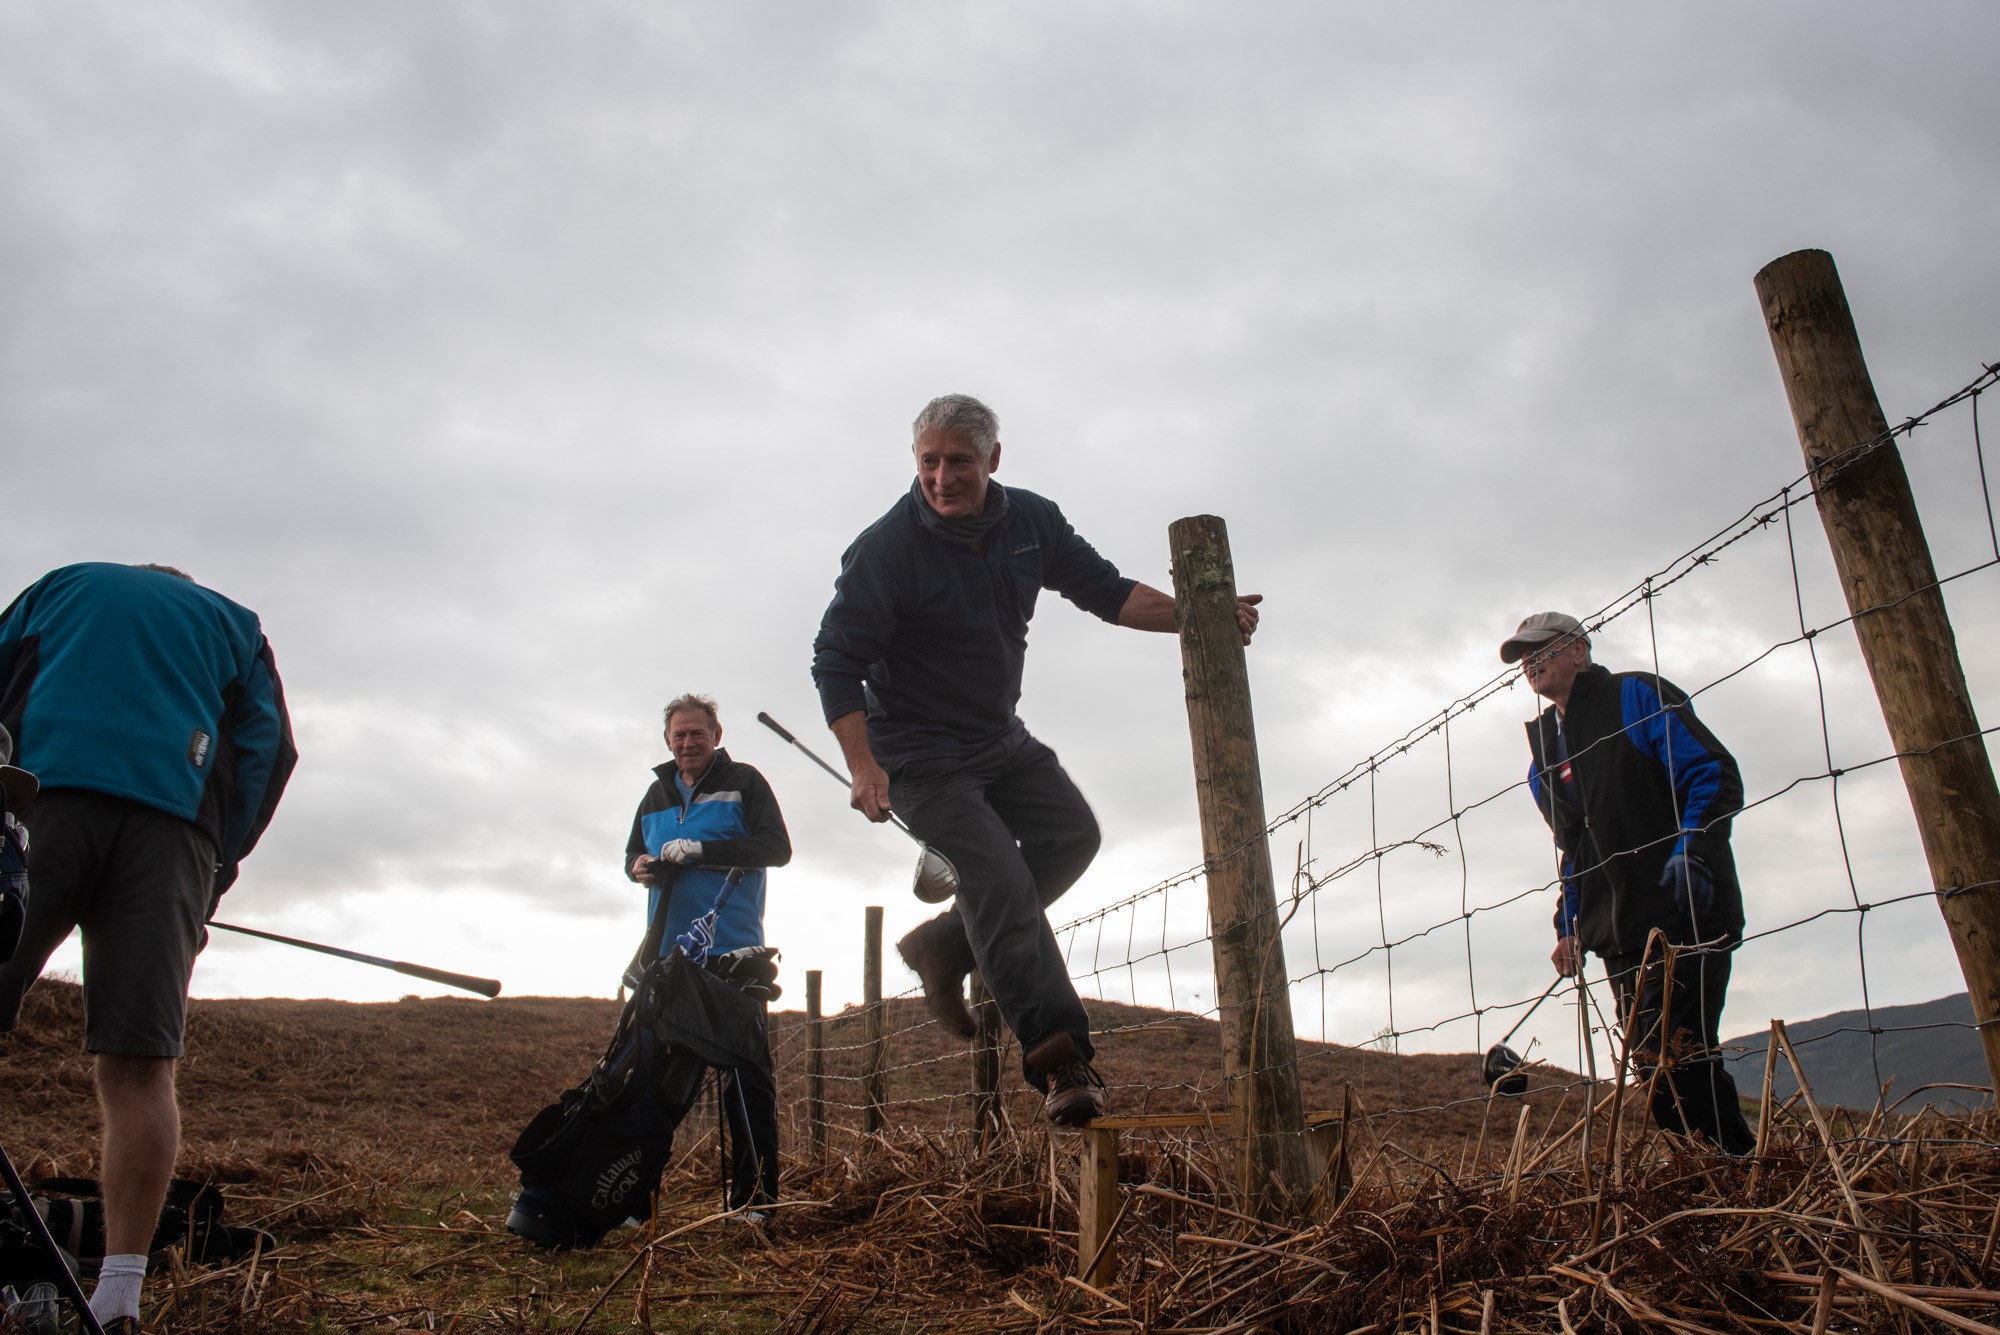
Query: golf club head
{"x": 936, "y": 879}
{"x": 1502, "y": 1073}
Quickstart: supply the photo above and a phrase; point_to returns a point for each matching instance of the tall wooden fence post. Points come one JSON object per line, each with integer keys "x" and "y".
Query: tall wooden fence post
{"x": 815, "y": 1065}
{"x": 985, "y": 1065}
{"x": 1259, "y": 1053}
{"x": 875, "y": 1056}
{"x": 1906, "y": 638}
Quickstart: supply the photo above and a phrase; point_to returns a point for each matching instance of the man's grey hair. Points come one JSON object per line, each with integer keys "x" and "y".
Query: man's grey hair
{"x": 690, "y": 703}
{"x": 963, "y": 414}
{"x": 175, "y": 571}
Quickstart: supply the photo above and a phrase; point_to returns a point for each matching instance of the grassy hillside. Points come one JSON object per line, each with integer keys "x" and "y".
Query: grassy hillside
{"x": 1920, "y": 1052}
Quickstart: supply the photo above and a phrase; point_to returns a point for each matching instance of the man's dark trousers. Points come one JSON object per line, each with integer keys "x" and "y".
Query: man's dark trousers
{"x": 1020, "y": 834}
{"x": 1695, "y": 1094}
{"x": 750, "y": 1098}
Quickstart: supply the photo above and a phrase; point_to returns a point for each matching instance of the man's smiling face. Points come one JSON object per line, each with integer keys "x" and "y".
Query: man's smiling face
{"x": 951, "y": 473}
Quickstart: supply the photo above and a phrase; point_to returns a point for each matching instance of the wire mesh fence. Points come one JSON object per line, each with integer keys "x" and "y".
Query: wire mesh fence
{"x": 1422, "y": 882}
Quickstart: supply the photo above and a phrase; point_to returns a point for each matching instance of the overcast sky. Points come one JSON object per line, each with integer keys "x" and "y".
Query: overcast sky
{"x": 524, "y": 366}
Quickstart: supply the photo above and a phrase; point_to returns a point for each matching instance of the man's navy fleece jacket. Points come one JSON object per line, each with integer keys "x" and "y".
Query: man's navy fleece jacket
{"x": 930, "y": 637}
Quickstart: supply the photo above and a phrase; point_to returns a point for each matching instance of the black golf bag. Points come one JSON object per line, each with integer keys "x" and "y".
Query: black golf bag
{"x": 72, "y": 1210}
{"x": 593, "y": 1158}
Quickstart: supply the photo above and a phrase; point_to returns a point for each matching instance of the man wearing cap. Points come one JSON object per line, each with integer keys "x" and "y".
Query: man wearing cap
{"x": 918, "y": 662}
{"x": 1640, "y": 796}
{"x": 150, "y": 708}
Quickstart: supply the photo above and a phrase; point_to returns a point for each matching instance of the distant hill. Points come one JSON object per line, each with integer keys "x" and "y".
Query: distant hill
{"x": 1930, "y": 1043}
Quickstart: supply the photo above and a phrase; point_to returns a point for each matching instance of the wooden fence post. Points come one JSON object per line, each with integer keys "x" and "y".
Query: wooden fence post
{"x": 1906, "y": 638}
{"x": 815, "y": 1065}
{"x": 985, "y": 1065}
{"x": 875, "y": 1055}
{"x": 1097, "y": 1207}
{"x": 1259, "y": 1052}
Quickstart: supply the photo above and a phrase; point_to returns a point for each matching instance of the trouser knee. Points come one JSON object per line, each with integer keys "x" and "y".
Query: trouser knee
{"x": 1058, "y": 859}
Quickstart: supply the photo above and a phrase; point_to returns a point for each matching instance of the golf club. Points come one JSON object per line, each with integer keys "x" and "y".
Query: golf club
{"x": 1499, "y": 1068}
{"x": 485, "y": 987}
{"x": 936, "y": 879}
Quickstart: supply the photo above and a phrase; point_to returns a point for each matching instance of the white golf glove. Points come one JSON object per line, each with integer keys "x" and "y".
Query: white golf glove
{"x": 681, "y": 852}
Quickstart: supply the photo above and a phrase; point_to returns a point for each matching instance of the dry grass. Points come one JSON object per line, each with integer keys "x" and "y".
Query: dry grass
{"x": 372, "y": 1140}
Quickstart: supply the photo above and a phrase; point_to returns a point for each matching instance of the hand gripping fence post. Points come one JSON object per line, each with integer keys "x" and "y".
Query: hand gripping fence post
{"x": 1886, "y": 571}
{"x": 1259, "y": 1052}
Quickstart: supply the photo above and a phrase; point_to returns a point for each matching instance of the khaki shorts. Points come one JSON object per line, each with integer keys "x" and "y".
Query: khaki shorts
{"x": 137, "y": 882}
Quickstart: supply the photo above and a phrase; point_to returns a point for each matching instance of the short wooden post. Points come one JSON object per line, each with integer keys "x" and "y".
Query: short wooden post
{"x": 875, "y": 1057}
{"x": 1097, "y": 1207}
{"x": 815, "y": 1065}
{"x": 1906, "y": 638}
{"x": 1259, "y": 1052}
{"x": 1327, "y": 1157}
{"x": 985, "y": 1065}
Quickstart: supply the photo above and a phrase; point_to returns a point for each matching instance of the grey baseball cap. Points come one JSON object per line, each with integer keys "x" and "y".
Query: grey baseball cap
{"x": 19, "y": 785}
{"x": 1538, "y": 630}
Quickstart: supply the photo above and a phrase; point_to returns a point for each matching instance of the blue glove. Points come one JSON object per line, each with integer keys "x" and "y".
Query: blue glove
{"x": 1688, "y": 877}
{"x": 699, "y": 936}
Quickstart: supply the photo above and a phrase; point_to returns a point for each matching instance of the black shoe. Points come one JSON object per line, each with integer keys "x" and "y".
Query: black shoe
{"x": 1076, "y": 1093}
{"x": 943, "y": 979}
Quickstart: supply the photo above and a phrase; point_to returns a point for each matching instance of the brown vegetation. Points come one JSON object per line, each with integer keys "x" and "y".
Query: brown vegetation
{"x": 372, "y": 1140}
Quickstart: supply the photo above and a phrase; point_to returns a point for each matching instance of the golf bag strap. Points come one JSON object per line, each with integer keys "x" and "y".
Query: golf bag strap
{"x": 656, "y": 928}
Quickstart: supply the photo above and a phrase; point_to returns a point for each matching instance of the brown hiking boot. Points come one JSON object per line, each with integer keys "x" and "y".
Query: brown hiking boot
{"x": 943, "y": 979}
{"x": 1076, "y": 1094}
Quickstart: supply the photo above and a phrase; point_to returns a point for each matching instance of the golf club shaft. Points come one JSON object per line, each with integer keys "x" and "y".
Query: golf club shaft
{"x": 1532, "y": 1009}
{"x": 485, "y": 987}
{"x": 845, "y": 781}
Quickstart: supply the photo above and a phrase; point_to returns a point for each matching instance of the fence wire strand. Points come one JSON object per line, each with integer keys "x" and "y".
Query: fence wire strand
{"x": 1105, "y": 955}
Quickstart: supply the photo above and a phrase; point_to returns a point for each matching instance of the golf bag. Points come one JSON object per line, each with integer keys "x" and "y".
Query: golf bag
{"x": 72, "y": 1210}
{"x": 593, "y": 1158}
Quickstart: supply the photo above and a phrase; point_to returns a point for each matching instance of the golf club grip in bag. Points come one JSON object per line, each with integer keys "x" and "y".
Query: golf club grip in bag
{"x": 592, "y": 1159}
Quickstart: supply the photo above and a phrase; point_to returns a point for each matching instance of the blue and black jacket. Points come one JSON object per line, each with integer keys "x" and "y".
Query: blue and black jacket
{"x": 733, "y": 812}
{"x": 931, "y": 637}
{"x": 149, "y": 687}
{"x": 1626, "y": 778}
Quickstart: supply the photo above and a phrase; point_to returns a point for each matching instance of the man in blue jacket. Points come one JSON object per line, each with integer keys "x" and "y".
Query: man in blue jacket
{"x": 151, "y": 710}
{"x": 918, "y": 662}
{"x": 703, "y": 816}
{"x": 1640, "y": 794}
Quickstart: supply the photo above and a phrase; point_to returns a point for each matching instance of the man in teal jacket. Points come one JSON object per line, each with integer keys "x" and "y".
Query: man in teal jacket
{"x": 151, "y": 710}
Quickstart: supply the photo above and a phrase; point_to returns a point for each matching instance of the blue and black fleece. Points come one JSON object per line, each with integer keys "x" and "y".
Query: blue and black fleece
{"x": 930, "y": 637}
{"x": 149, "y": 687}
{"x": 1627, "y": 777}
{"x": 733, "y": 812}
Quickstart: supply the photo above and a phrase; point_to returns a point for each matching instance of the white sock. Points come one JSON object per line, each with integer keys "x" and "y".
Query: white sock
{"x": 117, "y": 1291}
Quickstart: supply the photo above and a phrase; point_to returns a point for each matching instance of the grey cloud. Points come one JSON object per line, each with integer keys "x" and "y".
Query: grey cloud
{"x": 524, "y": 367}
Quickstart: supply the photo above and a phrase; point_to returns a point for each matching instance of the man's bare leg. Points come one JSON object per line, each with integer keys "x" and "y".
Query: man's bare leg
{"x": 142, "y": 1135}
